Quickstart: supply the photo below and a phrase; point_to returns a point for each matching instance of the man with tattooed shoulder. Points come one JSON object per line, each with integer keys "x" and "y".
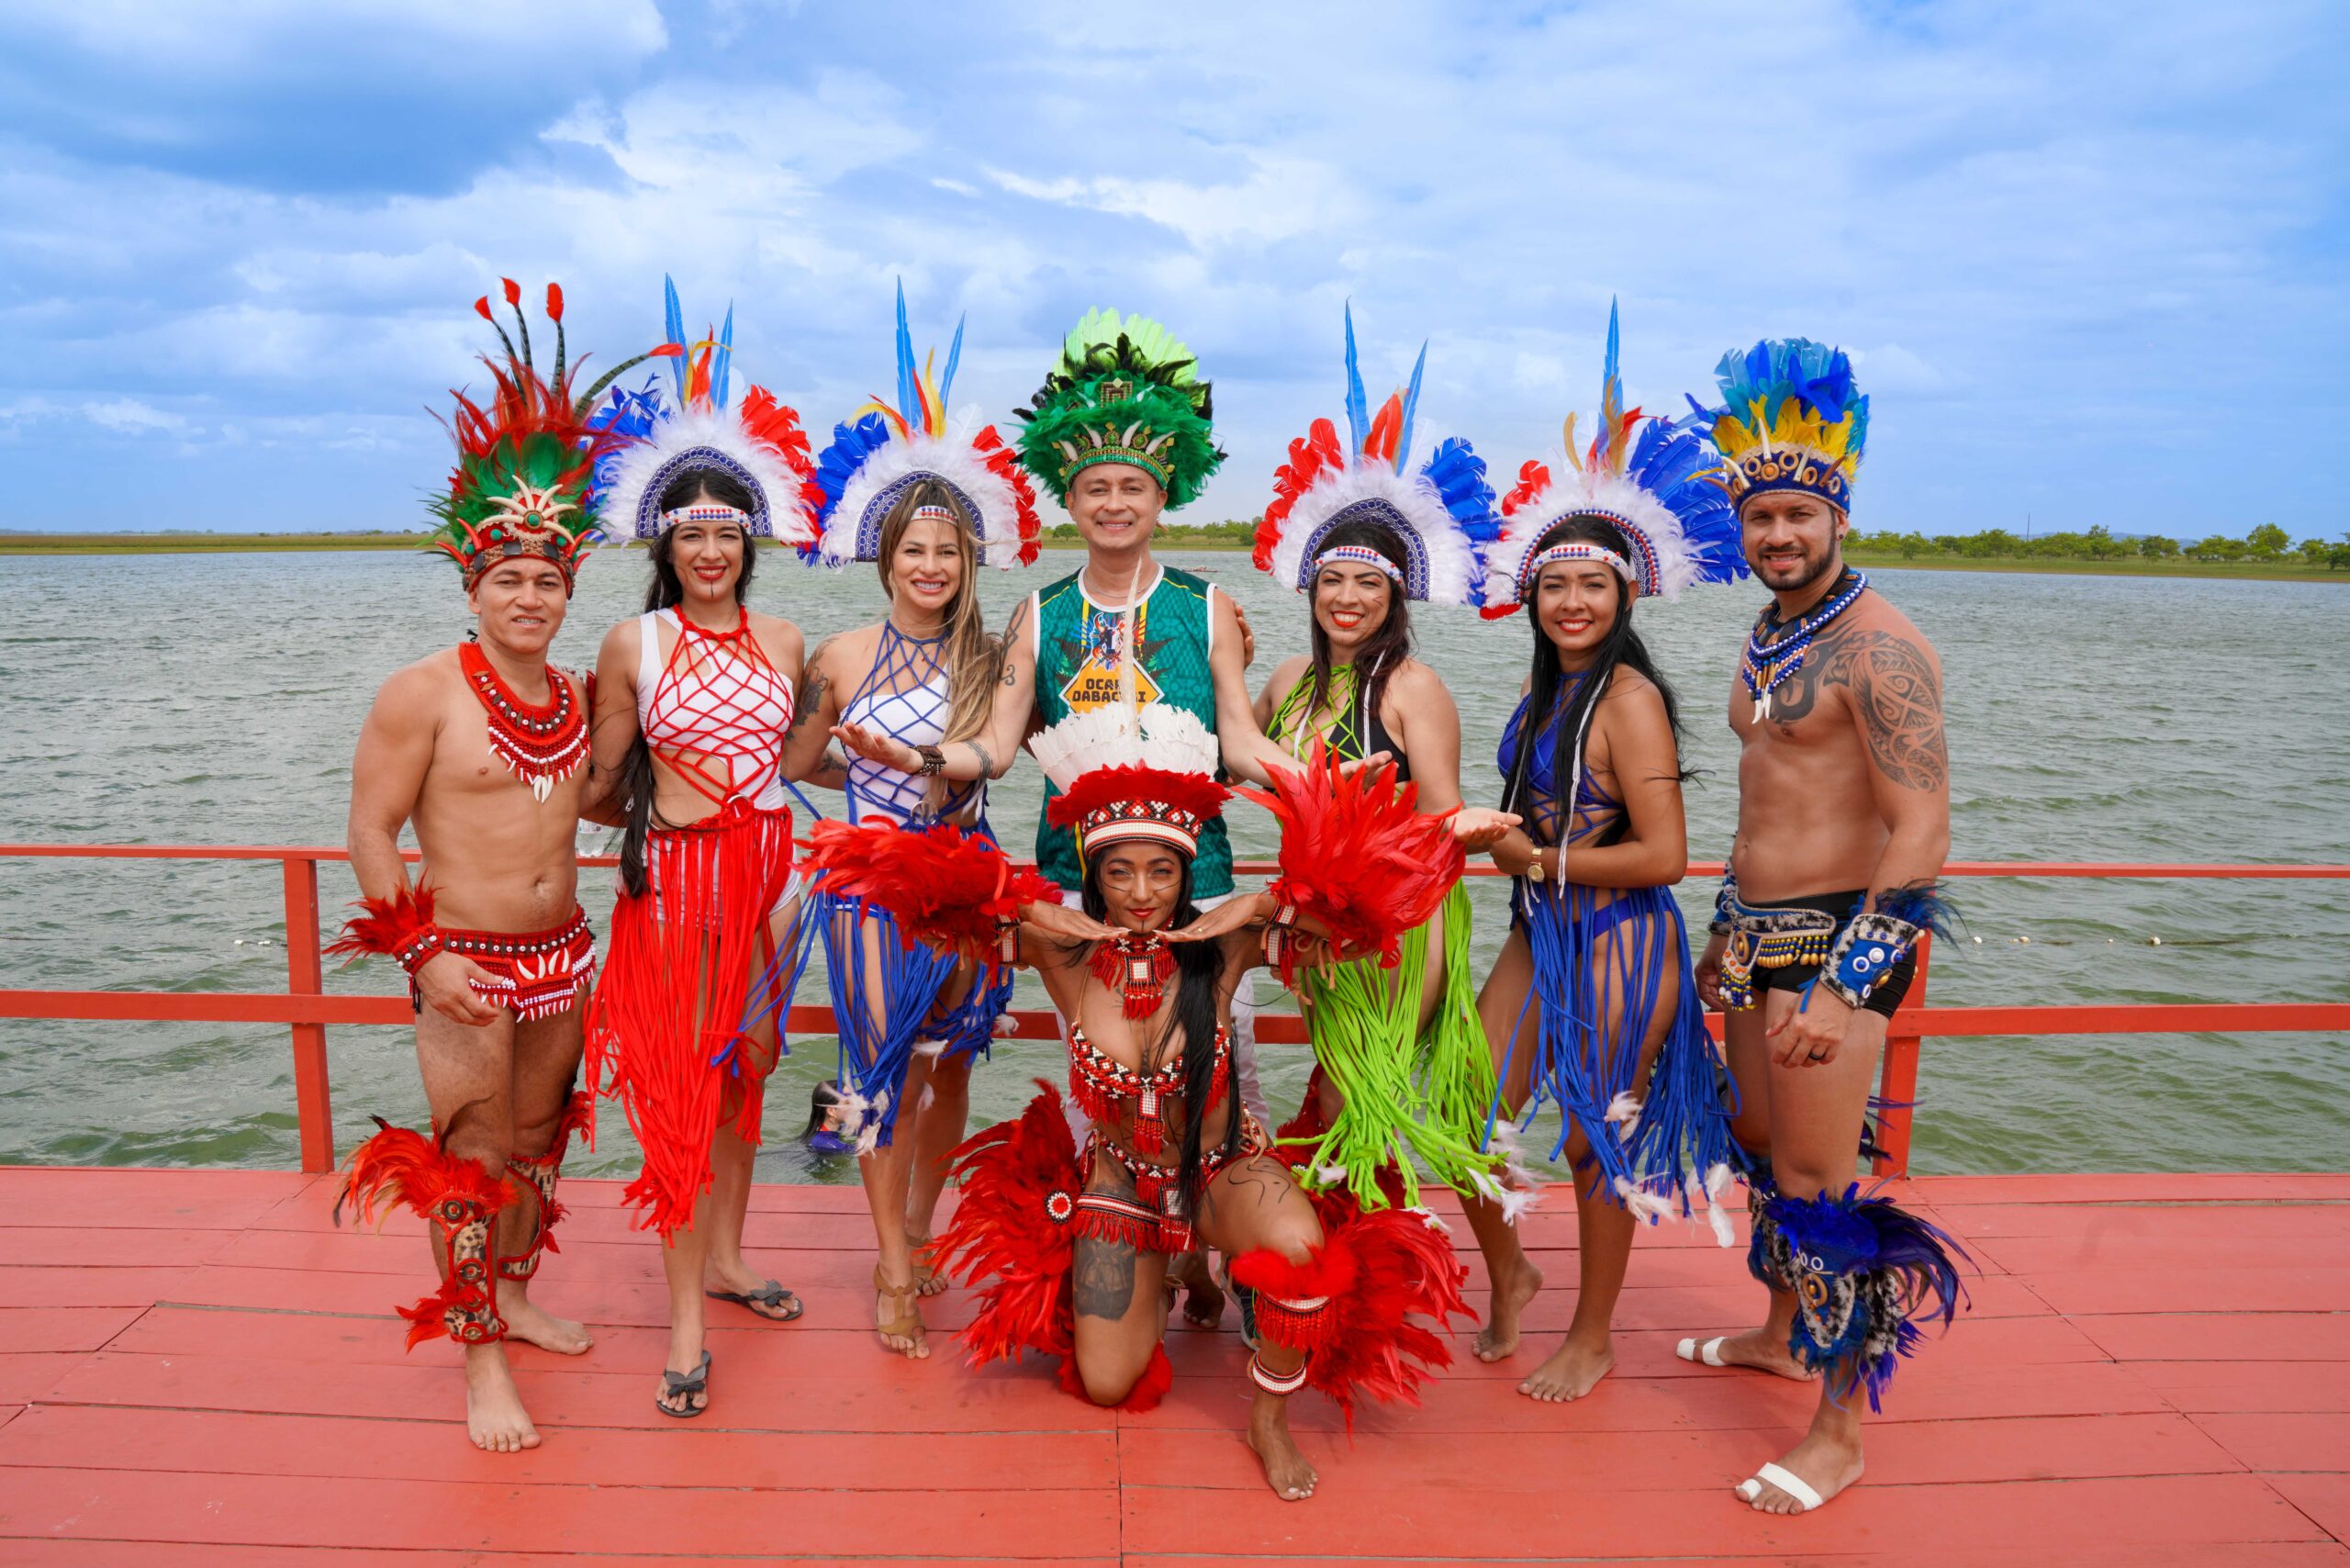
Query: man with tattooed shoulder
{"x": 1843, "y": 824}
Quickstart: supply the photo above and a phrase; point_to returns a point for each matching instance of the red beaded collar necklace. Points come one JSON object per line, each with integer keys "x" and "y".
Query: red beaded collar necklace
{"x": 542, "y": 745}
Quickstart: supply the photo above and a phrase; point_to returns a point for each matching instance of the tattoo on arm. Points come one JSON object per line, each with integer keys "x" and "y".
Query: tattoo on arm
{"x": 1011, "y": 644}
{"x": 1900, "y": 701}
{"x": 811, "y": 694}
{"x": 987, "y": 762}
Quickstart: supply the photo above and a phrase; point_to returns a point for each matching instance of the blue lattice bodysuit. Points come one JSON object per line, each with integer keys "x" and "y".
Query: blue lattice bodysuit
{"x": 887, "y": 1002}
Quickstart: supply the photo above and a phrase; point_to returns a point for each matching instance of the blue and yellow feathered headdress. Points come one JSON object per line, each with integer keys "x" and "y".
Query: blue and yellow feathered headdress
{"x": 1791, "y": 419}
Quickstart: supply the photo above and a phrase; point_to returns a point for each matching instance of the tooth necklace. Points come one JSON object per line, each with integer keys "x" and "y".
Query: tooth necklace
{"x": 1768, "y": 664}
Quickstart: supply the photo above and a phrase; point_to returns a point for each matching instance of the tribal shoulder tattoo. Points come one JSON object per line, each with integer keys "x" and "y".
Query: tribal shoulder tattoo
{"x": 1900, "y": 701}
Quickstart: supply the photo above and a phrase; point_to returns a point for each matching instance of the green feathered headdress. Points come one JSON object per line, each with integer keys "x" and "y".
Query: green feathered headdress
{"x": 1124, "y": 392}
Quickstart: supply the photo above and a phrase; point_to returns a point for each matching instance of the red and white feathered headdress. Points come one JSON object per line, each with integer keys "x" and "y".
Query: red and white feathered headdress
{"x": 876, "y": 458}
{"x": 1127, "y": 773}
{"x": 1439, "y": 513}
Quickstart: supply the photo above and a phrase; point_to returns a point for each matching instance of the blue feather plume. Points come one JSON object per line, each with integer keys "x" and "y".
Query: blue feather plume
{"x": 851, "y": 445}
{"x": 722, "y": 364}
{"x": 1814, "y": 374}
{"x": 1672, "y": 462}
{"x": 632, "y": 414}
{"x": 1611, "y": 395}
{"x": 673, "y": 321}
{"x": 1357, "y": 406}
{"x": 907, "y": 407}
{"x": 953, "y": 357}
{"x": 1411, "y": 405}
{"x": 1926, "y": 905}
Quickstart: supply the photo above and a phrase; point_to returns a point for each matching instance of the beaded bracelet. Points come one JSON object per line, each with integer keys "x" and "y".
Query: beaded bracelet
{"x": 1866, "y": 952}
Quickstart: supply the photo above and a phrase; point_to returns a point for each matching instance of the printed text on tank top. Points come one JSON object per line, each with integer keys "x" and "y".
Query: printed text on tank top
{"x": 905, "y": 695}
{"x": 717, "y": 710}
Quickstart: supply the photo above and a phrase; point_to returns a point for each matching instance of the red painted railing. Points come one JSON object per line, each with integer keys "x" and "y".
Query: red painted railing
{"x": 307, "y": 1010}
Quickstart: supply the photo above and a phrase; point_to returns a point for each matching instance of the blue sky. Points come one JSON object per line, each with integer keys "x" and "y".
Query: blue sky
{"x": 2091, "y": 260}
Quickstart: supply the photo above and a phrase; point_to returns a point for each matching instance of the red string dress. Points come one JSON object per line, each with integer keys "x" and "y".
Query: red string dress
{"x": 669, "y": 1030}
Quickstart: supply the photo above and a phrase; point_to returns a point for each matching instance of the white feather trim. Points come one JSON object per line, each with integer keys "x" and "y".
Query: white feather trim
{"x": 1452, "y": 559}
{"x": 721, "y": 430}
{"x": 1154, "y": 735}
{"x": 1570, "y": 492}
{"x": 953, "y": 459}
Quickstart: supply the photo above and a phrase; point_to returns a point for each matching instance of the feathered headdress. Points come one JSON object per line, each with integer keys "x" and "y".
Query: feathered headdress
{"x": 526, "y": 459}
{"x": 884, "y": 452}
{"x": 1126, "y": 391}
{"x": 1127, "y": 773}
{"x": 1791, "y": 419}
{"x": 1441, "y": 515}
{"x": 1655, "y": 479}
{"x": 757, "y": 440}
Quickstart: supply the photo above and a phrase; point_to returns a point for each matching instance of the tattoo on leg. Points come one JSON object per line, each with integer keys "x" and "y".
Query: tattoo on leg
{"x": 1105, "y": 1277}
{"x": 1900, "y": 699}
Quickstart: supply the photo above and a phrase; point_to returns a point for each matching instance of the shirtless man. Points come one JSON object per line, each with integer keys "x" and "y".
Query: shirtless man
{"x": 1843, "y": 808}
{"x": 481, "y": 748}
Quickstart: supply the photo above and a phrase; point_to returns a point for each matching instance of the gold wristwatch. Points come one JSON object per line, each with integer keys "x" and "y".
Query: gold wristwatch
{"x": 1534, "y": 871}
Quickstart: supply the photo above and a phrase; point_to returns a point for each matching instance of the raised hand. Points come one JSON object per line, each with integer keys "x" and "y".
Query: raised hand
{"x": 1070, "y": 924}
{"x": 1477, "y": 829}
{"x": 879, "y": 746}
{"x": 1233, "y": 914}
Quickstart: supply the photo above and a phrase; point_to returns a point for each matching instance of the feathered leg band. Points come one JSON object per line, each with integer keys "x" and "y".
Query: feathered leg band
{"x": 1865, "y": 1274}
{"x": 461, "y": 1200}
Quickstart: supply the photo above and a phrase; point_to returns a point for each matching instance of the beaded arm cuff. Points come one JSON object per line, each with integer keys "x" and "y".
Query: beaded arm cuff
{"x": 1719, "y": 926}
{"x": 1279, "y": 940}
{"x": 1868, "y": 948}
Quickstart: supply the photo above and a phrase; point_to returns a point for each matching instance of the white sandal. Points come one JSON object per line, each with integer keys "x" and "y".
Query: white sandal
{"x": 1710, "y": 1352}
{"x": 1787, "y": 1481}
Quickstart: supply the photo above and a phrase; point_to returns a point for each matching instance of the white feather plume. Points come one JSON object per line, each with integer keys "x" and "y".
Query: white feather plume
{"x": 1170, "y": 739}
{"x": 1570, "y": 492}
{"x": 1452, "y": 559}
{"x": 721, "y": 431}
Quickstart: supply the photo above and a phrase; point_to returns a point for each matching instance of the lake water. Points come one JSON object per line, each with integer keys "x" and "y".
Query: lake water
{"x": 214, "y": 700}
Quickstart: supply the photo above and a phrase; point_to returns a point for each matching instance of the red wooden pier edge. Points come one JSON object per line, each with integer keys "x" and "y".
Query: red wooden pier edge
{"x": 306, "y": 1010}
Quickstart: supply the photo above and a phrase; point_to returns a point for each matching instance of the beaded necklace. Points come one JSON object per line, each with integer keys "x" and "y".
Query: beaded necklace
{"x": 1138, "y": 966}
{"x": 541, "y": 744}
{"x": 1769, "y": 662}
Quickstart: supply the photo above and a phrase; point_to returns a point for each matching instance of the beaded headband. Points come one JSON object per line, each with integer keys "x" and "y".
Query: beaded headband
{"x": 1574, "y": 550}
{"x": 734, "y": 515}
{"x": 1357, "y": 556}
{"x": 935, "y": 513}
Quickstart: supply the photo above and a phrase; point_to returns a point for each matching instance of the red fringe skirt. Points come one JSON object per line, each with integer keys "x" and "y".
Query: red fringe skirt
{"x": 668, "y": 1032}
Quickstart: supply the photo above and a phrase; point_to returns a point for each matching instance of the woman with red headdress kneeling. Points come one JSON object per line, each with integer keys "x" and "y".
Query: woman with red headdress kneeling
{"x": 1070, "y": 1249}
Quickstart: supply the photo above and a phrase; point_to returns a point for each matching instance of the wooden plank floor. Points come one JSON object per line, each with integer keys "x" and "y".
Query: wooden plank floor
{"x": 198, "y": 1368}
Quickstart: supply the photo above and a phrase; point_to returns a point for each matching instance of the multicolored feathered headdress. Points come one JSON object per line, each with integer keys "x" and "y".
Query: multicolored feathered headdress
{"x": 1125, "y": 391}
{"x": 1441, "y": 515}
{"x": 1132, "y": 773}
{"x": 526, "y": 460}
{"x": 757, "y": 440}
{"x": 1791, "y": 419}
{"x": 1655, "y": 479}
{"x": 885, "y": 452}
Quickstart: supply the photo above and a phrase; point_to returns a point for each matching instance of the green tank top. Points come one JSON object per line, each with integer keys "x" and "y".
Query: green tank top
{"x": 1076, "y": 671}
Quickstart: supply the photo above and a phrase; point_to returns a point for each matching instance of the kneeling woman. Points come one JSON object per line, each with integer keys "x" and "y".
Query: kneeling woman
{"x": 1592, "y": 1001}
{"x": 1071, "y": 1250}
{"x": 693, "y": 701}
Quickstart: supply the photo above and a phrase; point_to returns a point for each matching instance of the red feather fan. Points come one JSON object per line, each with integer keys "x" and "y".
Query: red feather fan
{"x": 384, "y": 925}
{"x": 1013, "y": 1237}
{"x": 1194, "y": 793}
{"x": 1357, "y": 856}
{"x": 1380, "y": 1270}
{"x": 1004, "y": 464}
{"x": 1310, "y": 456}
{"x": 945, "y": 888}
{"x": 777, "y": 425}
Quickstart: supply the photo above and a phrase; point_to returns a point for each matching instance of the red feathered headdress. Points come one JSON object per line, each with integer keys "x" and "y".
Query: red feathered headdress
{"x": 1111, "y": 805}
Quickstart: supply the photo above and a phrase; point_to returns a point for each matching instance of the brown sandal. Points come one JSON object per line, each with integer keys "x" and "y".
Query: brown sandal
{"x": 899, "y": 1299}
{"x": 928, "y": 1280}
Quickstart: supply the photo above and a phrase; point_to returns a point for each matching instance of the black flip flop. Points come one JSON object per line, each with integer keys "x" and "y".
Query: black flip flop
{"x": 771, "y": 1294}
{"x": 673, "y": 1384}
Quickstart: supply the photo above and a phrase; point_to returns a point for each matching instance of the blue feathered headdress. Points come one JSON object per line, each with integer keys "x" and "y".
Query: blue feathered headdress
{"x": 1791, "y": 419}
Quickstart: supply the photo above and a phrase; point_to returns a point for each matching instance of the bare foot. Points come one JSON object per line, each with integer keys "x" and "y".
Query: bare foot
{"x": 495, "y": 1418}
{"x": 534, "y": 1325}
{"x": 1574, "y": 1370}
{"x": 927, "y": 1279}
{"x": 1498, "y": 1338}
{"x": 1829, "y": 1461}
{"x": 1759, "y": 1348}
{"x": 1286, "y": 1471}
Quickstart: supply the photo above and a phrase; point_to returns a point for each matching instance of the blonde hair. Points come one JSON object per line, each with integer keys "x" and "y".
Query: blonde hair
{"x": 972, "y": 656}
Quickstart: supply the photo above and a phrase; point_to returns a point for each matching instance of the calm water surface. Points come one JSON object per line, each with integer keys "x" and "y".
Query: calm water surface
{"x": 214, "y": 700}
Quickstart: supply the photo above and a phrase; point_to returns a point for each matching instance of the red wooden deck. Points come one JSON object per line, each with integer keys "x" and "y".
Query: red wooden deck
{"x": 197, "y": 1367}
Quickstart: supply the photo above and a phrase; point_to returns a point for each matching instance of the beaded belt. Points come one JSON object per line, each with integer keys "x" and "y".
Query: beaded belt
{"x": 1768, "y": 939}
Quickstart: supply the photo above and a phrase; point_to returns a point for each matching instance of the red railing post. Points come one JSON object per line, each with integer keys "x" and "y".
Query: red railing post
{"x": 305, "y": 976}
{"x": 1897, "y": 1085}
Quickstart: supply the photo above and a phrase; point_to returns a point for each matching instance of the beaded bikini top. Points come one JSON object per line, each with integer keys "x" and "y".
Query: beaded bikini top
{"x": 1108, "y": 1090}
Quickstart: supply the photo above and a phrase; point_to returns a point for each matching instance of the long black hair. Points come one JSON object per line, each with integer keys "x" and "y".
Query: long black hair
{"x": 1199, "y": 973}
{"x": 667, "y": 590}
{"x": 1381, "y": 652}
{"x": 1622, "y": 647}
